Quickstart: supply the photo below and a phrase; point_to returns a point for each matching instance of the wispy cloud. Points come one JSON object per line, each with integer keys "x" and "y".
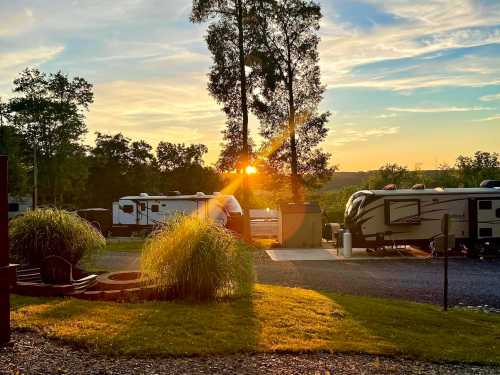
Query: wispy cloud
{"x": 12, "y": 62}
{"x": 386, "y": 115}
{"x": 351, "y": 135}
{"x": 490, "y": 98}
{"x": 24, "y": 57}
{"x": 426, "y": 29}
{"x": 439, "y": 109}
{"x": 491, "y": 118}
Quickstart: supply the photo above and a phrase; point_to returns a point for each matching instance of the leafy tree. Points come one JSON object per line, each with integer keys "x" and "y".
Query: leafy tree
{"x": 388, "y": 174}
{"x": 183, "y": 169}
{"x": 108, "y": 169}
{"x": 49, "y": 111}
{"x": 482, "y": 166}
{"x": 172, "y": 156}
{"x": 13, "y": 144}
{"x": 290, "y": 90}
{"x": 333, "y": 203}
{"x": 120, "y": 167}
{"x": 232, "y": 146}
{"x": 445, "y": 177}
{"x": 229, "y": 40}
{"x": 4, "y": 113}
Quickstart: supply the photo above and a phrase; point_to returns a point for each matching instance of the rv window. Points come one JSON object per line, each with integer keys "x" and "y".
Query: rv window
{"x": 143, "y": 206}
{"x": 485, "y": 205}
{"x": 498, "y": 212}
{"x": 128, "y": 208}
{"x": 13, "y": 207}
{"x": 155, "y": 208}
{"x": 485, "y": 232}
{"x": 402, "y": 211}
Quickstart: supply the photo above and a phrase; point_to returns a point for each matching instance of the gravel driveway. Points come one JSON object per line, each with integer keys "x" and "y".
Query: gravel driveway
{"x": 33, "y": 354}
{"x": 471, "y": 282}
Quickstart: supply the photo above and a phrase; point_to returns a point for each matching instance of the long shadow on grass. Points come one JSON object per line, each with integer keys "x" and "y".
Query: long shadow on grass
{"x": 144, "y": 329}
{"x": 188, "y": 328}
{"x": 424, "y": 331}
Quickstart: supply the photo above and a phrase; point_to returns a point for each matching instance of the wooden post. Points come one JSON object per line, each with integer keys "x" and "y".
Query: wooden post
{"x": 445, "y": 227}
{"x": 4, "y": 254}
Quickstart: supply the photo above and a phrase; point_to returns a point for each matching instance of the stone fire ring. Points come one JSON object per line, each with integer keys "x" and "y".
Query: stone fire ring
{"x": 120, "y": 280}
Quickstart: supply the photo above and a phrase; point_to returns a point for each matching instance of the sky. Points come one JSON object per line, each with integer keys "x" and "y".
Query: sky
{"x": 414, "y": 82}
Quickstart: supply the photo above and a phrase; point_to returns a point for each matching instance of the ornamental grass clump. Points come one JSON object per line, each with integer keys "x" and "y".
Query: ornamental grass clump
{"x": 197, "y": 259}
{"x": 43, "y": 232}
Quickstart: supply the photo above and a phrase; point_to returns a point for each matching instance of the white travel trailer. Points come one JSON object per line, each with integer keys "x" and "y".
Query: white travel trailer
{"x": 145, "y": 211}
{"x": 384, "y": 217}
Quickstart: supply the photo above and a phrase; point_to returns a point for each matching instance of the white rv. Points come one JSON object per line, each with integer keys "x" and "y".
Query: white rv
{"x": 384, "y": 217}
{"x": 145, "y": 211}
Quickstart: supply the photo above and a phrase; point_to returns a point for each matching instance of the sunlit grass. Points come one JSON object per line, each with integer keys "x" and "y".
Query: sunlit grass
{"x": 272, "y": 319}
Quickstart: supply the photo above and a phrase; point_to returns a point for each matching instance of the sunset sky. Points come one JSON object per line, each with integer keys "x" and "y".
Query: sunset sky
{"x": 412, "y": 82}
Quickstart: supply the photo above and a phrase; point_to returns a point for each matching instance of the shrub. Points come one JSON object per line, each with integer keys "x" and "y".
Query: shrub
{"x": 43, "y": 232}
{"x": 197, "y": 259}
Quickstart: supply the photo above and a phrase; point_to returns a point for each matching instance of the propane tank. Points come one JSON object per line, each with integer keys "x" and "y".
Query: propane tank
{"x": 347, "y": 240}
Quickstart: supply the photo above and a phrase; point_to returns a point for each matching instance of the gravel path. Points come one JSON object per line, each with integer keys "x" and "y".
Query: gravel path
{"x": 118, "y": 260}
{"x": 33, "y": 354}
{"x": 471, "y": 282}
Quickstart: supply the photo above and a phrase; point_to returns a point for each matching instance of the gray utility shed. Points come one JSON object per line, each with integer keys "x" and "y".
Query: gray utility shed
{"x": 300, "y": 225}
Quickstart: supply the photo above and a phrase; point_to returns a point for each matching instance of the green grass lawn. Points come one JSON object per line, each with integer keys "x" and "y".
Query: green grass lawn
{"x": 272, "y": 319}
{"x": 125, "y": 246}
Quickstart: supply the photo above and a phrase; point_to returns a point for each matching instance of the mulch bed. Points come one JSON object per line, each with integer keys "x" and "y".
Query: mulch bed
{"x": 31, "y": 353}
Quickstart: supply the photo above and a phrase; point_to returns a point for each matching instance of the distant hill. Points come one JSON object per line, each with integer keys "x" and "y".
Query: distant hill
{"x": 343, "y": 179}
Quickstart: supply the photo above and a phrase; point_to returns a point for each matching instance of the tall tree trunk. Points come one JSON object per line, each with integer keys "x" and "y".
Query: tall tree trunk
{"x": 243, "y": 82}
{"x": 35, "y": 177}
{"x": 245, "y": 157}
{"x": 296, "y": 195}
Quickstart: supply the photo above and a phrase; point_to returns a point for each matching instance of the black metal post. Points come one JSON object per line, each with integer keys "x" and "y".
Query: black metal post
{"x": 5, "y": 269}
{"x": 446, "y": 242}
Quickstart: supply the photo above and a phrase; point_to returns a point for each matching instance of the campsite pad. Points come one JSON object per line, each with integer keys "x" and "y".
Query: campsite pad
{"x": 288, "y": 255}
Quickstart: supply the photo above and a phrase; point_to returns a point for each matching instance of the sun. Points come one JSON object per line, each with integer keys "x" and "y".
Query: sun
{"x": 250, "y": 169}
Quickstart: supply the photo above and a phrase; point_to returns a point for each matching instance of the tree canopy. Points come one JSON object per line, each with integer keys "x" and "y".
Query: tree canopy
{"x": 230, "y": 41}
{"x": 290, "y": 90}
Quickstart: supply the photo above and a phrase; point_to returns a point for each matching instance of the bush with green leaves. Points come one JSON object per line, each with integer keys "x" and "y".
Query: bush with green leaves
{"x": 197, "y": 259}
{"x": 43, "y": 232}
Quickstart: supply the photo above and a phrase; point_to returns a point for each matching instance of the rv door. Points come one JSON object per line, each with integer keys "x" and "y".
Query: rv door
{"x": 488, "y": 218}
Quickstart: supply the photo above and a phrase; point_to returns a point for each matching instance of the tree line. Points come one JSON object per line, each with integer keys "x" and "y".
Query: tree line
{"x": 42, "y": 128}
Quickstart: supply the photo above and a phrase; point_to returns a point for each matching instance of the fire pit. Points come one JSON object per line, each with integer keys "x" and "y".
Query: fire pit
{"x": 120, "y": 280}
